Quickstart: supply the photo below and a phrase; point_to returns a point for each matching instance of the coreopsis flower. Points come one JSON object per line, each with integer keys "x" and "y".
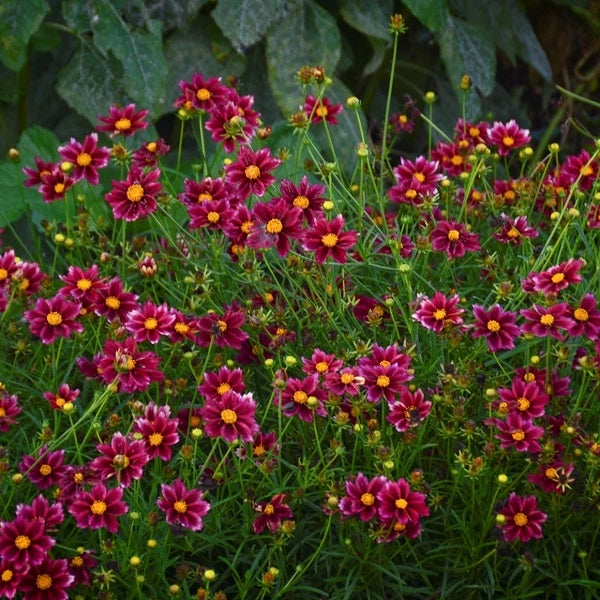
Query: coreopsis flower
{"x": 386, "y": 356}
{"x": 263, "y": 446}
{"x": 554, "y": 477}
{"x": 321, "y": 109}
{"x": 123, "y": 121}
{"x": 206, "y": 190}
{"x": 238, "y": 227}
{"x": 271, "y": 514}
{"x": 513, "y": 231}
{"x": 8, "y": 267}
{"x": 159, "y": 432}
{"x": 35, "y": 177}
{"x": 24, "y": 542}
{"x": 62, "y": 396}
{"x": 86, "y": 158}
{"x": 408, "y": 410}
{"x": 305, "y": 196}
{"x": 189, "y": 418}
{"x": 370, "y": 310}
{"x": 327, "y": 240}
{"x": 200, "y": 93}
{"x": 415, "y": 180}
{"x": 135, "y": 197}
{"x": 28, "y": 278}
{"x": 52, "y": 318}
{"x": 49, "y": 580}
{"x": 54, "y": 186}
{"x": 46, "y": 470}
{"x": 9, "y": 409}
{"x": 391, "y": 530}
{"x": 147, "y": 155}
{"x": 398, "y": 503}
{"x": 497, "y": 325}
{"x": 526, "y": 399}
{"x": 233, "y": 121}
{"x": 51, "y": 515}
{"x": 10, "y": 579}
{"x": 99, "y": 508}
{"x": 581, "y": 169}
{"x": 224, "y": 380}
{"x": 557, "y": 386}
{"x": 182, "y": 506}
{"x": 275, "y": 223}
{"x": 383, "y": 381}
{"x": 74, "y": 480}
{"x": 231, "y": 416}
{"x": 507, "y": 136}
{"x": 149, "y": 322}
{"x": 452, "y": 157}
{"x": 223, "y": 330}
{"x": 345, "y": 381}
{"x": 210, "y": 215}
{"x": 81, "y": 565}
{"x": 454, "y": 239}
{"x": 401, "y": 122}
{"x": 122, "y": 459}
{"x": 113, "y": 302}
{"x": 585, "y": 317}
{"x": 558, "y": 277}
{"x": 519, "y": 433}
{"x": 184, "y": 327}
{"x": 132, "y": 370}
{"x": 81, "y": 285}
{"x": 542, "y": 321}
{"x": 362, "y": 497}
{"x": 439, "y": 312}
{"x": 474, "y": 133}
{"x": 523, "y": 519}
{"x": 302, "y": 398}
{"x": 321, "y": 363}
{"x": 251, "y": 172}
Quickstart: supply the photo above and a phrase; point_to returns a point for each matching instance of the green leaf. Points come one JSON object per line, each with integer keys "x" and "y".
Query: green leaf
{"x": 370, "y": 18}
{"x": 140, "y": 53}
{"x": 77, "y": 14}
{"x": 17, "y": 24}
{"x": 432, "y": 13}
{"x": 308, "y": 35}
{"x": 244, "y": 22}
{"x": 465, "y": 50}
{"x": 89, "y": 83}
{"x": 174, "y": 14}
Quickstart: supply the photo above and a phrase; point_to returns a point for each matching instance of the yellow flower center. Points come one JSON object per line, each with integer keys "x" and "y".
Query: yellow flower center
{"x": 493, "y": 326}
{"x": 222, "y": 326}
{"x": 246, "y": 226}
{"x": 581, "y": 314}
{"x": 22, "y": 542}
{"x": 181, "y": 328}
{"x": 547, "y": 319}
{"x": 301, "y": 202}
{"x": 321, "y": 111}
{"x": 367, "y": 499}
{"x": 98, "y": 507}
{"x": 508, "y": 141}
{"x": 300, "y": 397}
{"x": 2, "y": 413}
{"x": 439, "y": 314}
{"x": 59, "y": 401}
{"x": 135, "y": 192}
{"x": 520, "y": 519}
{"x": 529, "y": 377}
{"x": 453, "y": 235}
{"x": 321, "y": 367}
{"x": 347, "y": 378}
{"x": 329, "y": 240}
{"x": 203, "y": 95}
{"x": 518, "y": 435}
{"x": 269, "y": 509}
{"x": 401, "y": 503}
{"x": 195, "y": 421}
{"x": 129, "y": 363}
{"x": 150, "y": 323}
{"x": 457, "y": 160}
{"x": 6, "y": 575}
{"x": 123, "y": 124}
{"x": 213, "y": 216}
{"x": 155, "y": 439}
{"x": 550, "y": 473}
{"x": 383, "y": 381}
{"x": 402, "y": 119}
{"x": 558, "y": 277}
{"x": 43, "y": 581}
{"x": 523, "y": 403}
{"x": 151, "y": 146}
{"x": 420, "y": 177}
{"x": 586, "y": 170}
{"x": 54, "y": 318}
{"x": 474, "y": 131}
{"x": 252, "y": 172}
{"x": 258, "y": 450}
{"x": 77, "y": 562}
{"x": 384, "y": 363}
{"x": 180, "y": 506}
{"x": 112, "y": 302}
{"x": 78, "y": 478}
{"x": 223, "y": 388}
{"x": 84, "y": 159}
{"x": 503, "y": 408}
{"x": 45, "y": 470}
{"x": 24, "y": 284}
{"x": 229, "y": 416}
{"x": 513, "y": 233}
{"x": 205, "y": 197}
{"x": 121, "y": 461}
{"x": 59, "y": 188}
{"x": 84, "y": 284}
{"x": 410, "y": 194}
{"x": 3, "y": 274}
{"x": 274, "y": 226}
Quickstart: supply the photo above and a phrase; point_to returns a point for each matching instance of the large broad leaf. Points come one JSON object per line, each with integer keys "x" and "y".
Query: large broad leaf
{"x": 466, "y": 50}
{"x": 89, "y": 84}
{"x": 308, "y": 35}
{"x": 140, "y": 53}
{"x": 77, "y": 14}
{"x": 244, "y": 22}
{"x": 18, "y": 22}
{"x": 370, "y": 18}
{"x": 174, "y": 13}
{"x": 432, "y": 13}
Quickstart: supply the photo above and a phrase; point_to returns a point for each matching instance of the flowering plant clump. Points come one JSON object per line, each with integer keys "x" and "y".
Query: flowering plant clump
{"x": 246, "y": 369}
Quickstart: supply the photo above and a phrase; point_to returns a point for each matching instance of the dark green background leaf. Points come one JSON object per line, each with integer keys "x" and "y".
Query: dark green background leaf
{"x": 371, "y": 18}
{"x": 432, "y": 13}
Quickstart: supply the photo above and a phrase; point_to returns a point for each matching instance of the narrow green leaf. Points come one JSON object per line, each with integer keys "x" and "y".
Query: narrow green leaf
{"x": 308, "y": 35}
{"x": 465, "y": 50}
{"x": 244, "y": 22}
{"x": 432, "y": 13}
{"x": 17, "y": 24}
{"x": 370, "y": 18}
{"x": 140, "y": 53}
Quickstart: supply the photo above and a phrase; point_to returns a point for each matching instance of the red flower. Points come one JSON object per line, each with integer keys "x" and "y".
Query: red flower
{"x": 198, "y": 192}
{"x": 497, "y": 325}
{"x": 8, "y": 267}
{"x": 519, "y": 433}
{"x": 146, "y": 156}
{"x": 28, "y": 278}
{"x": 272, "y": 513}
{"x": 231, "y": 416}
{"x": 362, "y": 497}
{"x": 439, "y": 312}
{"x": 54, "y": 186}
{"x": 99, "y": 508}
{"x": 9, "y": 409}
{"x": 302, "y": 398}
{"x": 63, "y": 395}
{"x": 39, "y": 174}
{"x": 507, "y": 136}
{"x": 251, "y": 173}
{"x": 409, "y": 410}
{"x": 546, "y": 321}
{"x": 135, "y": 197}
{"x": 217, "y": 384}
{"x": 346, "y": 381}
{"x": 321, "y": 109}
{"x": 46, "y": 470}
{"x": 51, "y": 515}
{"x": 383, "y": 381}
{"x": 86, "y": 158}
{"x": 49, "y": 580}
{"x": 514, "y": 230}
{"x": 523, "y": 520}
{"x": 321, "y": 363}
{"x": 82, "y": 286}
{"x": 212, "y": 215}
{"x": 10, "y": 579}
{"x": 585, "y": 317}
{"x": 182, "y": 506}
{"x": 223, "y": 330}
{"x": 526, "y": 399}
{"x": 53, "y": 318}
{"x": 149, "y": 322}
{"x": 184, "y": 327}
{"x": 305, "y": 196}
{"x": 113, "y": 302}
{"x": 326, "y": 239}
{"x": 24, "y": 543}
{"x": 580, "y": 168}
{"x": 125, "y": 121}
{"x": 122, "y": 459}
{"x": 158, "y": 430}
{"x": 452, "y": 157}
{"x": 554, "y": 477}
{"x": 416, "y": 180}
{"x": 558, "y": 277}
{"x": 397, "y": 503}
{"x": 453, "y": 239}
